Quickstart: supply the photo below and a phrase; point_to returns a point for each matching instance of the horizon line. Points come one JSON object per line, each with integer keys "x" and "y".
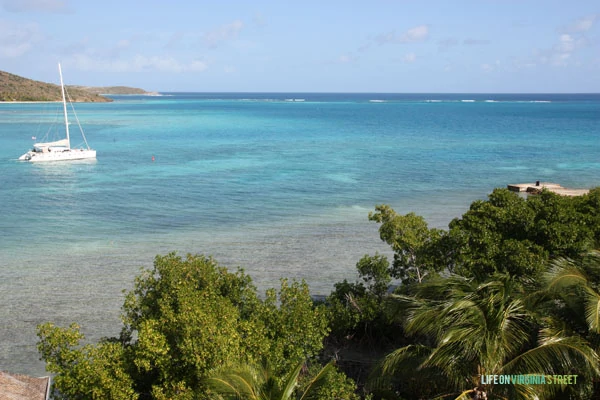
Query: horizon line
{"x": 360, "y": 92}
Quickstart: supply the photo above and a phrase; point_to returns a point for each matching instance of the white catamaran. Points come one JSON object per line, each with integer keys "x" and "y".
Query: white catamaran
{"x": 60, "y": 150}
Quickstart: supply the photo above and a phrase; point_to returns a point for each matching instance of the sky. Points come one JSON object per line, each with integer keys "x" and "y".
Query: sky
{"x": 398, "y": 46}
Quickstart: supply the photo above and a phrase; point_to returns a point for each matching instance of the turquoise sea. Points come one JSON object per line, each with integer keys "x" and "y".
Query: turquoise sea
{"x": 280, "y": 184}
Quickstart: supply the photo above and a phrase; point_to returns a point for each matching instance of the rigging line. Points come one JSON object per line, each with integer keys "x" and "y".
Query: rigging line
{"x": 77, "y": 118}
{"x": 53, "y": 113}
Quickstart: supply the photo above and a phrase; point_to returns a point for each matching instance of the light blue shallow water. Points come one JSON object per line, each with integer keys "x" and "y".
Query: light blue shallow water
{"x": 282, "y": 188}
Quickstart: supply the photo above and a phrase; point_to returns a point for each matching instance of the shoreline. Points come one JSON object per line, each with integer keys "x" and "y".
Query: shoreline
{"x": 41, "y": 102}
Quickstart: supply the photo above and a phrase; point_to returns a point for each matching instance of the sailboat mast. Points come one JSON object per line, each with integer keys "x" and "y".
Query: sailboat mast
{"x": 62, "y": 88}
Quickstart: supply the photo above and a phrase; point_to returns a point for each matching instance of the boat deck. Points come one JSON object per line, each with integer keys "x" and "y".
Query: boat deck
{"x": 537, "y": 187}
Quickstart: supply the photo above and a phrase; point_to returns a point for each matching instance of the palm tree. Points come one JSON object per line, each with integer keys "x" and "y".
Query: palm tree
{"x": 465, "y": 330}
{"x": 252, "y": 382}
{"x": 573, "y": 290}
{"x": 576, "y": 286}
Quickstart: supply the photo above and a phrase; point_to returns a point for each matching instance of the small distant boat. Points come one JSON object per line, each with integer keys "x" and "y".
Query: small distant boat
{"x": 60, "y": 150}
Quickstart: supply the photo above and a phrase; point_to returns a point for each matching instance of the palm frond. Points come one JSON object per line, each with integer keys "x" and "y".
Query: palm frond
{"x": 555, "y": 354}
{"x": 531, "y": 392}
{"x": 465, "y": 395}
{"x": 418, "y": 321}
{"x": 451, "y": 360}
{"x": 513, "y": 326}
{"x": 592, "y": 309}
{"x": 412, "y": 356}
{"x": 233, "y": 385}
{"x": 312, "y": 389}
{"x": 563, "y": 273}
{"x": 291, "y": 381}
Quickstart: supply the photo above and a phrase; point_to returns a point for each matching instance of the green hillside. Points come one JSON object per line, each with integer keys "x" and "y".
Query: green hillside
{"x": 113, "y": 90}
{"x": 17, "y": 88}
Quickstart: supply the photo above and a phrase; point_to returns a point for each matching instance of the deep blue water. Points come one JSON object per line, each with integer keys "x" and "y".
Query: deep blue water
{"x": 278, "y": 183}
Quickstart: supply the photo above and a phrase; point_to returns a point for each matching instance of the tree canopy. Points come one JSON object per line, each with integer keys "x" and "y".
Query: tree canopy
{"x": 512, "y": 287}
{"x": 183, "y": 319}
{"x": 517, "y": 235}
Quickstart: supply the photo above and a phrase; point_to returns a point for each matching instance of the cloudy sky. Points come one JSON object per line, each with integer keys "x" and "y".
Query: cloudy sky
{"x": 308, "y": 45}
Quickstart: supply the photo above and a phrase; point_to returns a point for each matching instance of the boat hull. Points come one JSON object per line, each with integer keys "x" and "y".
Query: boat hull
{"x": 59, "y": 150}
{"x": 67, "y": 155}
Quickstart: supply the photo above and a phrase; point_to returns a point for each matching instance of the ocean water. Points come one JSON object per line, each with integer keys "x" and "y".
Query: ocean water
{"x": 279, "y": 184}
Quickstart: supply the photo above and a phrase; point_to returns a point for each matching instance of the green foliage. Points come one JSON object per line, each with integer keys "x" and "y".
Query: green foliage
{"x": 190, "y": 319}
{"x": 358, "y": 309}
{"x": 295, "y": 330}
{"x": 511, "y": 234}
{"x": 572, "y": 295}
{"x": 183, "y": 319}
{"x": 16, "y": 88}
{"x": 327, "y": 383}
{"x": 260, "y": 382}
{"x": 588, "y": 206}
{"x": 464, "y": 329}
{"x": 252, "y": 382}
{"x": 375, "y": 273}
{"x": 493, "y": 237}
{"x": 559, "y": 226}
{"x": 575, "y": 290}
{"x": 415, "y": 245}
{"x": 186, "y": 315}
{"x": 87, "y": 372}
{"x": 507, "y": 233}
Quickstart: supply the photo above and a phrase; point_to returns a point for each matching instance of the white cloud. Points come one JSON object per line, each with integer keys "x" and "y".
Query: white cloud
{"x": 565, "y": 48}
{"x": 17, "y": 39}
{"x": 583, "y": 24}
{"x": 48, "y": 6}
{"x": 196, "y": 66}
{"x": 346, "y": 58}
{"x": 14, "y": 50}
{"x": 490, "y": 67}
{"x": 174, "y": 40}
{"x": 566, "y": 44}
{"x": 562, "y": 58}
{"x": 224, "y": 33}
{"x": 414, "y": 35}
{"x": 86, "y": 47}
{"x": 475, "y": 42}
{"x": 409, "y": 58}
{"x": 139, "y": 63}
{"x": 571, "y": 41}
{"x": 123, "y": 44}
{"x": 446, "y": 44}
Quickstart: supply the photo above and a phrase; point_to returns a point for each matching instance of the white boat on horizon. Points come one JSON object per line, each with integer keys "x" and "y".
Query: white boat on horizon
{"x": 60, "y": 150}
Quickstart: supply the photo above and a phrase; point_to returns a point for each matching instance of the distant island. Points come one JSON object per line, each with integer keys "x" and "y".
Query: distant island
{"x": 114, "y": 90}
{"x": 16, "y": 88}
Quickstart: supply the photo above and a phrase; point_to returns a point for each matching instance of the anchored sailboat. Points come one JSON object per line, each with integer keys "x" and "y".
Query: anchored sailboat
{"x": 60, "y": 150}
